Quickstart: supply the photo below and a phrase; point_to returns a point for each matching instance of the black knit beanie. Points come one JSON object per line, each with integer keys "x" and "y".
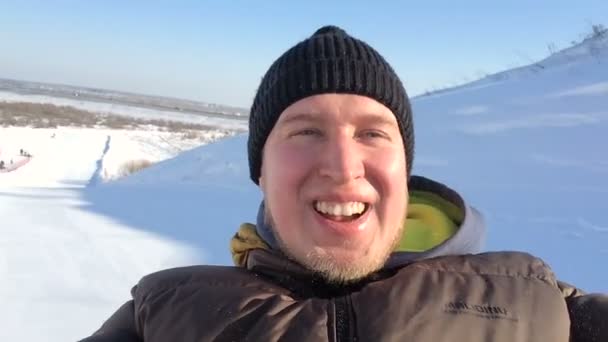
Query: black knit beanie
{"x": 330, "y": 61}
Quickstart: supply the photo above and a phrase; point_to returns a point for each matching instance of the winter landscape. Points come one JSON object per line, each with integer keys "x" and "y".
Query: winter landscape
{"x": 81, "y": 225}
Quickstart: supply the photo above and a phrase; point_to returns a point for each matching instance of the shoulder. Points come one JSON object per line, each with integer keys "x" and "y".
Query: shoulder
{"x": 202, "y": 276}
{"x": 588, "y": 317}
{"x": 507, "y": 264}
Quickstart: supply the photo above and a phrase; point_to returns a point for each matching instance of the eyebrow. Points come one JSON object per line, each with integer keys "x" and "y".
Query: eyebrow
{"x": 379, "y": 119}
{"x": 314, "y": 117}
{"x": 307, "y": 117}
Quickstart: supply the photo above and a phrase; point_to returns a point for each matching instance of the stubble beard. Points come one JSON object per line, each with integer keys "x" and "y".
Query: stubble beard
{"x": 329, "y": 267}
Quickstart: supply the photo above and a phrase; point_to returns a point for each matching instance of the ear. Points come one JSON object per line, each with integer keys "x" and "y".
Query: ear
{"x": 261, "y": 183}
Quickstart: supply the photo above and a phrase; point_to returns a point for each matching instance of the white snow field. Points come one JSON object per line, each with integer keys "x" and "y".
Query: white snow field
{"x": 527, "y": 147}
{"x": 63, "y": 266}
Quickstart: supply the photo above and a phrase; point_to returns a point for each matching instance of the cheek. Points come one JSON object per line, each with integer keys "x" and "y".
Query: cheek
{"x": 286, "y": 167}
{"x": 284, "y": 173}
{"x": 390, "y": 174}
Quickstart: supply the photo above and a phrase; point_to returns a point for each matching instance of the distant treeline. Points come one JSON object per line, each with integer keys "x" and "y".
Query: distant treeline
{"x": 43, "y": 115}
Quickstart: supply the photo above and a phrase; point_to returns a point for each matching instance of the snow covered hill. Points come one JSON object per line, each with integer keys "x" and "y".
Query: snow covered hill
{"x": 64, "y": 267}
{"x": 527, "y": 147}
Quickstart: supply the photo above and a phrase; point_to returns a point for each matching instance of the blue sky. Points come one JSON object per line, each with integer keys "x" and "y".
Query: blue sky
{"x": 217, "y": 51}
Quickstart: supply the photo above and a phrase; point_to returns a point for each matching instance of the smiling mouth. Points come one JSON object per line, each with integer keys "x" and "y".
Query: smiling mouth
{"x": 341, "y": 211}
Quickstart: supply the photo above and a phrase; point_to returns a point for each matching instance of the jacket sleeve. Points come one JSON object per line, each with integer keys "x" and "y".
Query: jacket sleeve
{"x": 588, "y": 314}
{"x": 120, "y": 327}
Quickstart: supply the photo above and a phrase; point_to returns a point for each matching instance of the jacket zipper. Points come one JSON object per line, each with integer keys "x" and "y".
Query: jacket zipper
{"x": 344, "y": 320}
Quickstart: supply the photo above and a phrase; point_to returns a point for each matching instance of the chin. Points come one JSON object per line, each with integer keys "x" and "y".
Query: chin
{"x": 339, "y": 265}
{"x": 346, "y": 256}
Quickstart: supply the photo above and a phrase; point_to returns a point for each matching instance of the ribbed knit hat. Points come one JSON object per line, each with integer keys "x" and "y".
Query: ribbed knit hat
{"x": 330, "y": 61}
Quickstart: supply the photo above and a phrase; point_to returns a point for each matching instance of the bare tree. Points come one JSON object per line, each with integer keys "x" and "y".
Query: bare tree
{"x": 552, "y": 48}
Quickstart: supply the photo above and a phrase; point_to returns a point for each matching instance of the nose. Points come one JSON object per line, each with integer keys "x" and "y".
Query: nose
{"x": 342, "y": 160}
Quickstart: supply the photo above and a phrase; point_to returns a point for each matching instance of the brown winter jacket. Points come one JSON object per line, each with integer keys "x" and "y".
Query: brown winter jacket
{"x": 437, "y": 295}
{"x": 487, "y": 297}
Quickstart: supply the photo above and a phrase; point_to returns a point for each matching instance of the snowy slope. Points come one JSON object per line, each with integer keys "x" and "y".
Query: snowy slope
{"x": 526, "y": 147}
{"x": 64, "y": 267}
{"x": 199, "y": 198}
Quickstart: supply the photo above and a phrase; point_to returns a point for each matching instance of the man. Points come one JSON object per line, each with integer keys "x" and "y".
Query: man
{"x": 348, "y": 246}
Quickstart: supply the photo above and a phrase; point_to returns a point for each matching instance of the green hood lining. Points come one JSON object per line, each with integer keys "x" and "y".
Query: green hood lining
{"x": 431, "y": 219}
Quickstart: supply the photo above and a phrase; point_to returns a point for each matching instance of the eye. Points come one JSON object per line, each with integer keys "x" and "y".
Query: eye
{"x": 373, "y": 134}
{"x": 306, "y": 132}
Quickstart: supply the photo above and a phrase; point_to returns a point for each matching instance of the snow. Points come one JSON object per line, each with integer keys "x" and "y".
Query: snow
{"x": 600, "y": 88}
{"x": 472, "y": 110}
{"x": 64, "y": 266}
{"x": 526, "y": 147}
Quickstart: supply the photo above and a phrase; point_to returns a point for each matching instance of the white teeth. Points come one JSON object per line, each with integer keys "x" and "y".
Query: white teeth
{"x": 347, "y": 210}
{"x": 340, "y": 209}
{"x": 359, "y": 207}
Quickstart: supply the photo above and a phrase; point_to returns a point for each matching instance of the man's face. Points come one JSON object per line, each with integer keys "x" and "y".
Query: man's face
{"x": 335, "y": 185}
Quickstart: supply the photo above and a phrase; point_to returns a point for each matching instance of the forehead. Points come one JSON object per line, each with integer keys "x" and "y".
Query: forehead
{"x": 337, "y": 108}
